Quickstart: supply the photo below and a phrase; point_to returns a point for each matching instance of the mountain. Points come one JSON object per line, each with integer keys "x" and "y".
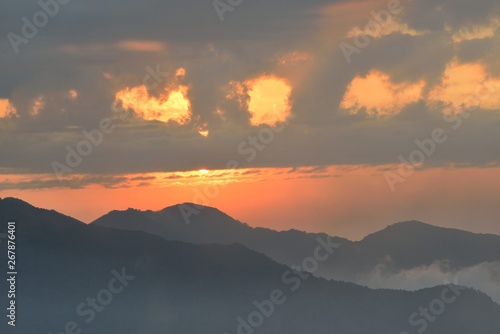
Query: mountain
{"x": 209, "y": 225}
{"x": 76, "y": 278}
{"x": 399, "y": 247}
{"x": 412, "y": 244}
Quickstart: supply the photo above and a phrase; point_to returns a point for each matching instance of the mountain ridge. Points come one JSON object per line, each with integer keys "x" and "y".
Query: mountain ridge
{"x": 405, "y": 246}
{"x": 185, "y": 288}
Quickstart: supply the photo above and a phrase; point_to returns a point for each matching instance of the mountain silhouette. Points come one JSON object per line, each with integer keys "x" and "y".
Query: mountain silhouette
{"x": 102, "y": 280}
{"x": 213, "y": 226}
{"x": 399, "y": 247}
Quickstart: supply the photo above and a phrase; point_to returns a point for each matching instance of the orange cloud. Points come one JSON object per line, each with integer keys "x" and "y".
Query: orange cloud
{"x": 203, "y": 130}
{"x": 384, "y": 30}
{"x": 237, "y": 91}
{"x": 379, "y": 96}
{"x": 126, "y": 45}
{"x": 6, "y": 108}
{"x": 294, "y": 58}
{"x": 141, "y": 46}
{"x": 305, "y": 203}
{"x": 73, "y": 94}
{"x": 171, "y": 106}
{"x": 38, "y": 105}
{"x": 465, "y": 86}
{"x": 180, "y": 73}
{"x": 219, "y": 112}
{"x": 476, "y": 32}
{"x": 269, "y": 100}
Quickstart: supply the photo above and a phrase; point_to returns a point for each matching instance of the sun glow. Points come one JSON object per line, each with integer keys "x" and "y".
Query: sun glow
{"x": 267, "y": 99}
{"x": 169, "y": 106}
{"x": 6, "y": 108}
{"x": 379, "y": 96}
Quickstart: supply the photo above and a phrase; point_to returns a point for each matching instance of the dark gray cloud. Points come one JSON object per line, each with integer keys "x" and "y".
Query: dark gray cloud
{"x": 79, "y": 49}
{"x": 107, "y": 181}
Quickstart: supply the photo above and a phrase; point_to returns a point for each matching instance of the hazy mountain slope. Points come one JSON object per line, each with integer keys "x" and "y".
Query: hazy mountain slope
{"x": 184, "y": 288}
{"x": 213, "y": 226}
{"x": 398, "y": 247}
{"x": 412, "y": 244}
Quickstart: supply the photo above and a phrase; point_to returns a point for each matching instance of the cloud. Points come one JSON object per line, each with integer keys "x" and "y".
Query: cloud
{"x": 141, "y": 46}
{"x": 158, "y": 180}
{"x": 377, "y": 95}
{"x": 266, "y": 98}
{"x": 462, "y": 86}
{"x": 294, "y": 57}
{"x": 38, "y": 105}
{"x": 392, "y": 28}
{"x": 465, "y": 86}
{"x": 203, "y": 130}
{"x": 484, "y": 277}
{"x": 68, "y": 78}
{"x": 143, "y": 178}
{"x": 102, "y": 49}
{"x": 6, "y": 109}
{"x": 49, "y": 182}
{"x": 169, "y": 106}
{"x": 269, "y": 100}
{"x": 472, "y": 33}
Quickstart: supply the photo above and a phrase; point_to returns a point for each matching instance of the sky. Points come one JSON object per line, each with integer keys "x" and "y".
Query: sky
{"x": 327, "y": 116}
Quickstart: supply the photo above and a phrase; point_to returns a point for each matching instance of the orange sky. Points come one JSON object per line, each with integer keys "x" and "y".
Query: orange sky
{"x": 199, "y": 96}
{"x": 347, "y": 201}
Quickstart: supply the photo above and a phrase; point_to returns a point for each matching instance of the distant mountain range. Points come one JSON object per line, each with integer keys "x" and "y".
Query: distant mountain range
{"x": 73, "y": 276}
{"x": 398, "y": 248}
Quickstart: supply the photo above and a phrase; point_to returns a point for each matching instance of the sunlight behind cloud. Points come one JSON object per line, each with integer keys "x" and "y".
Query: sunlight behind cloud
{"x": 38, "y": 105}
{"x": 180, "y": 73}
{"x": 141, "y": 46}
{"x": 294, "y": 58}
{"x": 391, "y": 28}
{"x": 379, "y": 96}
{"x": 268, "y": 100}
{"x": 6, "y": 108}
{"x": 465, "y": 85}
{"x": 73, "y": 94}
{"x": 474, "y": 32}
{"x": 203, "y": 130}
{"x": 169, "y": 106}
